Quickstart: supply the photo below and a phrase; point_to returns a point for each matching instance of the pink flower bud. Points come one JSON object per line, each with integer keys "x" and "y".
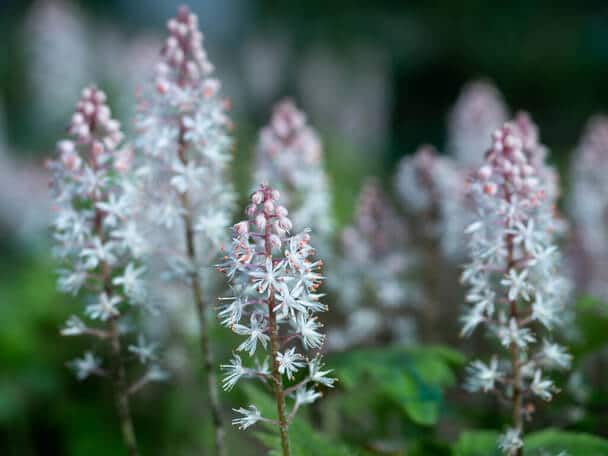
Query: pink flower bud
{"x": 241, "y": 228}
{"x": 275, "y": 241}
{"x": 257, "y": 197}
{"x": 269, "y": 207}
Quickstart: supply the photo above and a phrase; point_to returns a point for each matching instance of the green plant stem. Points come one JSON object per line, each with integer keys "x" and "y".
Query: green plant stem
{"x": 201, "y": 310}
{"x": 274, "y": 349}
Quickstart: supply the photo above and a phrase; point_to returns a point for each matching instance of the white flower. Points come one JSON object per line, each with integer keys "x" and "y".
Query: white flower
{"x": 307, "y": 327}
{"x": 129, "y": 236}
{"x": 518, "y": 286}
{"x": 319, "y": 376}
{"x": 545, "y": 311}
{"x": 235, "y": 371}
{"x": 470, "y": 320}
{"x": 230, "y": 314}
{"x": 213, "y": 226}
{"x": 289, "y": 362}
{"x": 256, "y": 332}
{"x": 130, "y": 280}
{"x": 543, "y": 388}
{"x": 85, "y": 366}
{"x": 187, "y": 177}
{"x": 268, "y": 277}
{"x": 114, "y": 209}
{"x": 510, "y": 442}
{"x": 513, "y": 334}
{"x": 483, "y": 377}
{"x": 98, "y": 252}
{"x": 73, "y": 327}
{"x": 554, "y": 355}
{"x": 288, "y": 301}
{"x": 104, "y": 309}
{"x": 528, "y": 236}
{"x": 71, "y": 281}
{"x": 306, "y": 396}
{"x": 248, "y": 418}
{"x": 144, "y": 351}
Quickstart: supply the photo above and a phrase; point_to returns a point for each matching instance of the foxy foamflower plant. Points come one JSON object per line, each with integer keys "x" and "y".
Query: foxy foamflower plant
{"x": 275, "y": 282}
{"x": 515, "y": 289}
{"x": 98, "y": 261}
{"x": 183, "y": 134}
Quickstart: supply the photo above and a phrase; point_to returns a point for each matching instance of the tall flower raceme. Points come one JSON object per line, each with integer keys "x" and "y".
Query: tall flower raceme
{"x": 373, "y": 281}
{"x": 433, "y": 190}
{"x": 289, "y": 154}
{"x": 275, "y": 282}
{"x": 588, "y": 207}
{"x": 478, "y": 111}
{"x": 96, "y": 251}
{"x": 186, "y": 147}
{"x": 515, "y": 289}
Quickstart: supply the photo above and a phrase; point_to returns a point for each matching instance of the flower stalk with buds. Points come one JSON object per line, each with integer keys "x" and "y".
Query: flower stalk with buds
{"x": 376, "y": 293}
{"x": 275, "y": 283}
{"x": 515, "y": 289}
{"x": 186, "y": 149}
{"x": 96, "y": 257}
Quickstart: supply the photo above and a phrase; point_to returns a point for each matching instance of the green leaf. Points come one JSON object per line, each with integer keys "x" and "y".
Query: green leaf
{"x": 553, "y": 441}
{"x": 544, "y": 443}
{"x": 477, "y": 443}
{"x": 592, "y": 324}
{"x": 411, "y": 377}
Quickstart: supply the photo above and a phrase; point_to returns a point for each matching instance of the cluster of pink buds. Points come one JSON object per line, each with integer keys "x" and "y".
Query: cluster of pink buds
{"x": 92, "y": 112}
{"x": 588, "y": 208}
{"x": 275, "y": 283}
{"x": 289, "y": 155}
{"x": 373, "y": 278}
{"x": 515, "y": 288}
{"x": 97, "y": 249}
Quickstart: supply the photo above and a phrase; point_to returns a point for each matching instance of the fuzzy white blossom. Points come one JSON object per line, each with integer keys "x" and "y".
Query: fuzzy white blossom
{"x": 432, "y": 190}
{"x": 515, "y": 287}
{"x": 588, "y": 206}
{"x": 275, "y": 282}
{"x": 373, "y": 278}
{"x": 289, "y": 155}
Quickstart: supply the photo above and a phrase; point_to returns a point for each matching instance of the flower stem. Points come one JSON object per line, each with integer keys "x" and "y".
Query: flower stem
{"x": 201, "y": 309}
{"x": 517, "y": 400}
{"x": 118, "y": 369}
{"x": 275, "y": 345}
{"x": 120, "y": 388}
